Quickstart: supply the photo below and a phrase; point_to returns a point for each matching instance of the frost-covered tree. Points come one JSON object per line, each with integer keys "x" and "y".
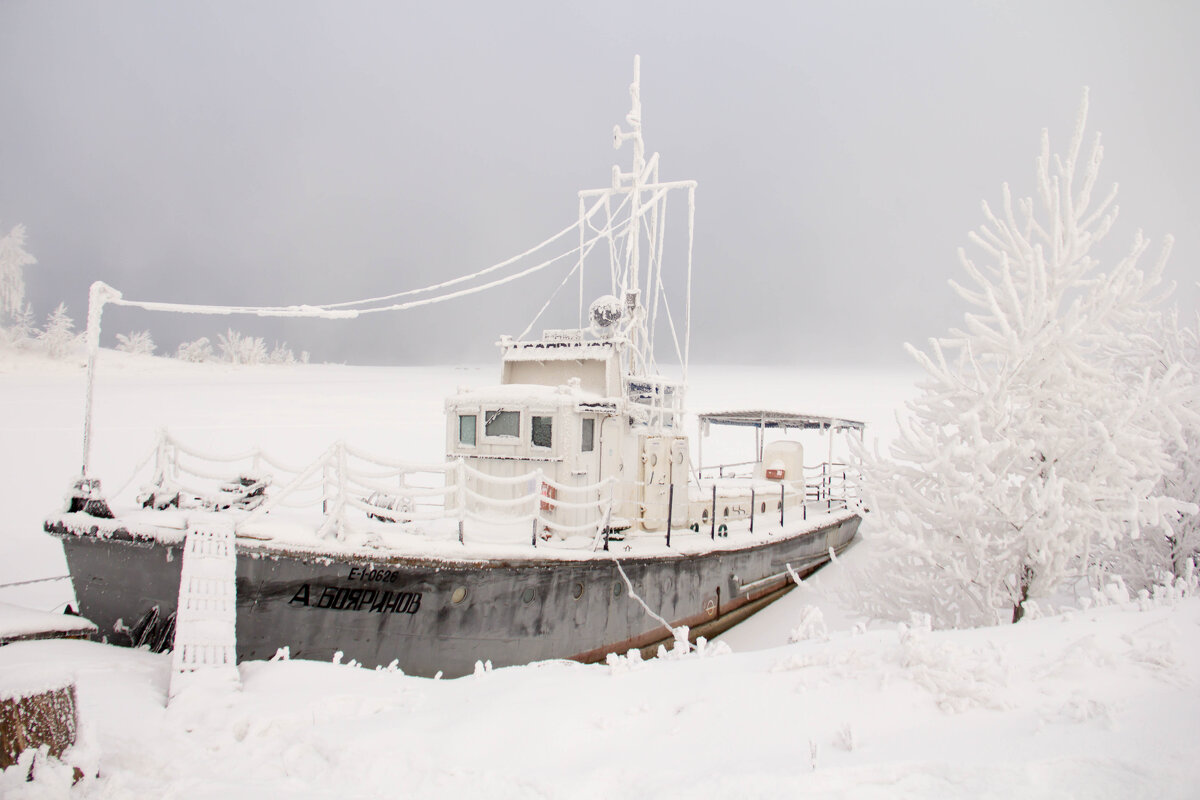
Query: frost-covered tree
{"x": 1037, "y": 439}
{"x": 237, "y": 348}
{"x": 13, "y": 260}
{"x": 137, "y": 342}
{"x": 197, "y": 351}
{"x": 22, "y": 329}
{"x": 282, "y": 354}
{"x": 59, "y": 337}
{"x": 1160, "y": 556}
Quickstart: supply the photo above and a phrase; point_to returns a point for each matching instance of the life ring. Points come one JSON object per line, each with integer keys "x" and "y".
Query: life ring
{"x": 722, "y": 529}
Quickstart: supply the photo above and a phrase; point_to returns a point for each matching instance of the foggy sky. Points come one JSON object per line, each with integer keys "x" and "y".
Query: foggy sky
{"x": 286, "y": 152}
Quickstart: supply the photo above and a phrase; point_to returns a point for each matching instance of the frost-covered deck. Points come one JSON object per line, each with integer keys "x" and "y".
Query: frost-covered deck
{"x": 384, "y": 542}
{"x": 347, "y": 502}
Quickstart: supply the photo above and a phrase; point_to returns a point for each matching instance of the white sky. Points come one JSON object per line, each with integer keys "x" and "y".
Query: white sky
{"x": 312, "y": 152}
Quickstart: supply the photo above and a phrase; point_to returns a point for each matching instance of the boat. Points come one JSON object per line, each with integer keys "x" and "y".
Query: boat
{"x": 570, "y": 518}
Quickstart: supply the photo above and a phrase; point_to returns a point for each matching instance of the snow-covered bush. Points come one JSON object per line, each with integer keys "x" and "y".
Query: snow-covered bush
{"x": 237, "y": 348}
{"x": 282, "y": 354}
{"x": 13, "y": 260}
{"x": 58, "y": 338}
{"x": 1040, "y": 436}
{"x": 137, "y": 342}
{"x": 21, "y": 330}
{"x": 197, "y": 351}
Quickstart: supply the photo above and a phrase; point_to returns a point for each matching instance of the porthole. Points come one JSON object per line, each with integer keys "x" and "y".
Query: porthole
{"x": 704, "y": 515}
{"x": 764, "y": 507}
{"x": 458, "y": 595}
{"x": 618, "y": 589}
{"x": 527, "y": 595}
{"x": 577, "y": 592}
{"x": 727, "y": 512}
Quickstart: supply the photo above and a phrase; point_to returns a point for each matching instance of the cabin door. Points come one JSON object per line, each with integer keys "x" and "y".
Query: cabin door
{"x": 585, "y": 471}
{"x": 664, "y": 463}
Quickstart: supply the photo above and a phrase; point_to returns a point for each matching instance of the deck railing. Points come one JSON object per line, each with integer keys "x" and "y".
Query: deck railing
{"x": 358, "y": 491}
{"x": 348, "y": 491}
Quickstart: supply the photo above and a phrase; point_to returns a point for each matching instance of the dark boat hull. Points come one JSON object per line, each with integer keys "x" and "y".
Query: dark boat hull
{"x": 430, "y": 616}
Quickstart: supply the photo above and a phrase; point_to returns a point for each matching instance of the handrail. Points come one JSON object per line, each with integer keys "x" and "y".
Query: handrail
{"x": 345, "y": 481}
{"x": 276, "y": 499}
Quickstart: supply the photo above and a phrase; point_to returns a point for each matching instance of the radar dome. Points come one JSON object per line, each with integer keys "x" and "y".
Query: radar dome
{"x": 605, "y": 312}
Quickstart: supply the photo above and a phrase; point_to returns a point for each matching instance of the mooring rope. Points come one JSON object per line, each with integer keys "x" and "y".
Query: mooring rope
{"x": 35, "y": 580}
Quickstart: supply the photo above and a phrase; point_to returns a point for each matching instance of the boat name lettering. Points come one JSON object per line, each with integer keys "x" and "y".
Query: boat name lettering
{"x": 374, "y": 575}
{"x": 341, "y": 598}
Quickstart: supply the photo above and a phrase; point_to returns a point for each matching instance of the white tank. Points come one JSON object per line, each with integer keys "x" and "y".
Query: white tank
{"x": 782, "y": 460}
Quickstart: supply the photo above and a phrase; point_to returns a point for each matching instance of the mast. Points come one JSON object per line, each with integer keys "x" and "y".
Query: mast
{"x": 640, "y": 194}
{"x": 631, "y": 286}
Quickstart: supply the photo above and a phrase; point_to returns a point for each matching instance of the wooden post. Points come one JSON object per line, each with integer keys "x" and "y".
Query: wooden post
{"x": 30, "y": 721}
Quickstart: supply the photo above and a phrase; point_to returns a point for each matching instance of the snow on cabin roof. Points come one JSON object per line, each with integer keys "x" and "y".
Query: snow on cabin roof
{"x": 758, "y": 418}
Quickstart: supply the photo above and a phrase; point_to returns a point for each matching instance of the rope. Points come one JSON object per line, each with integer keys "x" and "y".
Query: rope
{"x": 636, "y": 596}
{"x": 513, "y": 520}
{"x": 399, "y": 491}
{"x": 35, "y": 580}
{"x": 200, "y": 473}
{"x": 587, "y": 526}
{"x": 135, "y": 472}
{"x": 473, "y": 290}
{"x": 597, "y": 504}
{"x": 419, "y": 516}
{"x": 338, "y": 311}
{"x": 247, "y": 455}
{"x": 529, "y": 498}
{"x": 495, "y": 479}
{"x": 405, "y": 466}
{"x": 584, "y": 249}
{"x": 463, "y": 278}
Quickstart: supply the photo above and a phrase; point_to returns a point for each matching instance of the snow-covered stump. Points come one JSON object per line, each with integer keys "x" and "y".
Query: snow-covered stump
{"x": 205, "y": 635}
{"x": 35, "y": 718}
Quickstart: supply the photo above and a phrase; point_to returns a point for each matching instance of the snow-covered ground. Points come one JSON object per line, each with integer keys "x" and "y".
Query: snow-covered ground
{"x": 1097, "y": 703}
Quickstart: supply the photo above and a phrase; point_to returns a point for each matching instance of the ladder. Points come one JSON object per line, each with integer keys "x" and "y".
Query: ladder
{"x": 205, "y": 637}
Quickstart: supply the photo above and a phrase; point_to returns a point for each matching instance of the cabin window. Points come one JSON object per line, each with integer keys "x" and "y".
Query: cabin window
{"x": 502, "y": 423}
{"x": 542, "y": 431}
{"x": 466, "y": 429}
{"x": 588, "y": 436}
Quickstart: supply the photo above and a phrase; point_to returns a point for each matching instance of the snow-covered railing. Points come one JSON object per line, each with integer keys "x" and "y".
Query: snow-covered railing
{"x": 834, "y": 484}
{"x": 732, "y": 469}
{"x": 344, "y": 480}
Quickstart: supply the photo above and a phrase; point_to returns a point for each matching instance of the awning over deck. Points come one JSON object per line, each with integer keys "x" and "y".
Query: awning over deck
{"x": 762, "y": 419}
